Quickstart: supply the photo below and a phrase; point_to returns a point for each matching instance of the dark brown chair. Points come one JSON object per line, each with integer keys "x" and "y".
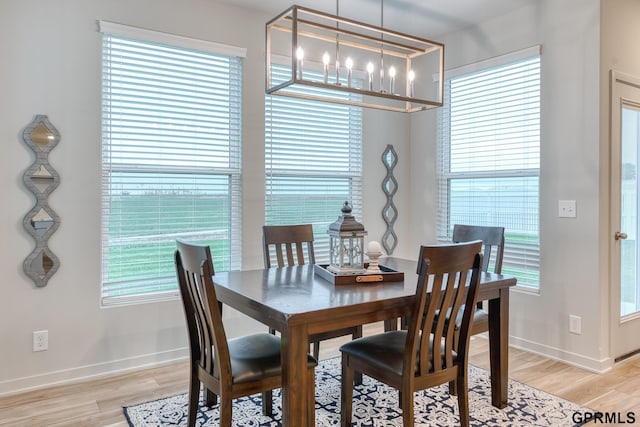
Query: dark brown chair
{"x": 292, "y": 241}
{"x": 493, "y": 250}
{"x": 288, "y": 240}
{"x": 493, "y": 243}
{"x": 425, "y": 355}
{"x": 228, "y": 369}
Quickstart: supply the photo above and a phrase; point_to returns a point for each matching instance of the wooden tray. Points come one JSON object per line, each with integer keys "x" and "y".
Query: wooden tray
{"x": 387, "y": 275}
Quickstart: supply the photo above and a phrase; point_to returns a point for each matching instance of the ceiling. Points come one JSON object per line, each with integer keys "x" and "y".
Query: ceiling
{"x": 422, "y": 18}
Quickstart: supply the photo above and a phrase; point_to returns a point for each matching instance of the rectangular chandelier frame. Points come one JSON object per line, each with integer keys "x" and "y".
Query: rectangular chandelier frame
{"x": 318, "y": 50}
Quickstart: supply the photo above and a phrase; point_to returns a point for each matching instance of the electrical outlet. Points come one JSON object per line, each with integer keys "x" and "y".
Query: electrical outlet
{"x": 40, "y": 340}
{"x": 575, "y": 324}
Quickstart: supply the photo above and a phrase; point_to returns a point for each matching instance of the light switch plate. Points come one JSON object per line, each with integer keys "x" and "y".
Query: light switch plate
{"x": 567, "y": 208}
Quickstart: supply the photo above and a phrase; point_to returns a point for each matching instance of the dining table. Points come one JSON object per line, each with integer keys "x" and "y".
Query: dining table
{"x": 297, "y": 302}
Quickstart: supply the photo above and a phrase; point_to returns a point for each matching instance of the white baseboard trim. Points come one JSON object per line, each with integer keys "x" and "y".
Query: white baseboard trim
{"x": 121, "y": 366}
{"x": 83, "y": 373}
{"x": 590, "y": 364}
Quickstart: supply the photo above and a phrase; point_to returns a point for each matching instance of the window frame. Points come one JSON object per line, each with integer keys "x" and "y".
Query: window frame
{"x": 204, "y": 174}
{"x": 515, "y": 253}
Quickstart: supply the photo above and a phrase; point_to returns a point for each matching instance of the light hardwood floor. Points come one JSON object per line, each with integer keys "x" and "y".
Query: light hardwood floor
{"x": 99, "y": 402}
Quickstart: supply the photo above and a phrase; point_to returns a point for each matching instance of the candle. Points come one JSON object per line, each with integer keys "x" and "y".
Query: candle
{"x": 325, "y": 60}
{"x": 412, "y": 77}
{"x": 370, "y": 71}
{"x": 300, "y": 56}
{"x": 349, "y": 65}
{"x": 374, "y": 247}
{"x": 392, "y": 79}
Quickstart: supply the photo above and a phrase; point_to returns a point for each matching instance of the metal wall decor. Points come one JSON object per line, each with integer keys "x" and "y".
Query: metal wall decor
{"x": 41, "y": 179}
{"x": 389, "y": 187}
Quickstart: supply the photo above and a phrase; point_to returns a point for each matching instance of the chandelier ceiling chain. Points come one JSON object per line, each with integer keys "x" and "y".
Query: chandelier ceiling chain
{"x": 382, "y": 46}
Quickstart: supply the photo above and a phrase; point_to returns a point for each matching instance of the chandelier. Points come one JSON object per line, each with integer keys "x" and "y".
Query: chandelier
{"x": 319, "y": 56}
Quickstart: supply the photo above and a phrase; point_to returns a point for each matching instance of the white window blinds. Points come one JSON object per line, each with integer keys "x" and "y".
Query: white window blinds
{"x": 171, "y": 134}
{"x": 489, "y": 160}
{"x": 313, "y": 162}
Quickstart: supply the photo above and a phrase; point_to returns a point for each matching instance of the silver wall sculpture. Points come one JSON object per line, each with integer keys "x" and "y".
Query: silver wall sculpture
{"x": 41, "y": 179}
{"x": 389, "y": 187}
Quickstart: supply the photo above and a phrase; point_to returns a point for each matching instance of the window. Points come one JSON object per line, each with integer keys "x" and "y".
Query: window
{"x": 489, "y": 159}
{"x": 313, "y": 162}
{"x": 171, "y": 134}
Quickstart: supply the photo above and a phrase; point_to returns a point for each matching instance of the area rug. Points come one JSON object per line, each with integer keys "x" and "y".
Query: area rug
{"x": 375, "y": 404}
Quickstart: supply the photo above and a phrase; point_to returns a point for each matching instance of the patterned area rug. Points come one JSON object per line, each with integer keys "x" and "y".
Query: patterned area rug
{"x": 375, "y": 404}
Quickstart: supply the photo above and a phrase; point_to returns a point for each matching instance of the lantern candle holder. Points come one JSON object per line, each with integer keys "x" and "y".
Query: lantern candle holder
{"x": 346, "y": 244}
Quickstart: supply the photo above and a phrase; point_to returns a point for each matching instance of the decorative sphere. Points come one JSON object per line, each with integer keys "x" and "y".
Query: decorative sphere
{"x": 374, "y": 247}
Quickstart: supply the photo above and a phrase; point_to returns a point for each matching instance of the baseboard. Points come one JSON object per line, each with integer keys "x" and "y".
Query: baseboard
{"x": 87, "y": 372}
{"x": 83, "y": 373}
{"x": 598, "y": 366}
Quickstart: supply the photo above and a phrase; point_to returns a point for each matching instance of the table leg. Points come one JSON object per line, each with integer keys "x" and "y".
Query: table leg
{"x": 295, "y": 385}
{"x": 391, "y": 325}
{"x": 499, "y": 348}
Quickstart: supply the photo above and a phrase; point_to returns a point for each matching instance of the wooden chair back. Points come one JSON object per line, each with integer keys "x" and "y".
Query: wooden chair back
{"x": 492, "y": 240}
{"x": 448, "y": 279}
{"x": 289, "y": 242}
{"x": 203, "y": 312}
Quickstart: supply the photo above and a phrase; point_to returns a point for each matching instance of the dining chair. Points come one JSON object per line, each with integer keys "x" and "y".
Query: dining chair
{"x": 289, "y": 243}
{"x": 424, "y": 355}
{"x": 228, "y": 368}
{"x": 493, "y": 249}
{"x": 493, "y": 253}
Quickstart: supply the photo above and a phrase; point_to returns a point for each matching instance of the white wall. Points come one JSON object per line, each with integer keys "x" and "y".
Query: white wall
{"x": 50, "y": 59}
{"x": 569, "y": 32}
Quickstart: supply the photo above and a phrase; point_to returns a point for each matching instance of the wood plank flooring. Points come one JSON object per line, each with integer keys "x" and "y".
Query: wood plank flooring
{"x": 99, "y": 402}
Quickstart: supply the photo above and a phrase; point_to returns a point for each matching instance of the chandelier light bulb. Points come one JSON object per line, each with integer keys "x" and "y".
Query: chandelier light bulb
{"x": 326, "y": 58}
{"x": 325, "y": 61}
{"x": 392, "y": 79}
{"x": 370, "y": 71}
{"x": 412, "y": 77}
{"x": 300, "y": 57}
{"x": 349, "y": 64}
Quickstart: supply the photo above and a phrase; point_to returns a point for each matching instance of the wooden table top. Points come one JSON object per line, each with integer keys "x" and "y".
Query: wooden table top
{"x": 297, "y": 290}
